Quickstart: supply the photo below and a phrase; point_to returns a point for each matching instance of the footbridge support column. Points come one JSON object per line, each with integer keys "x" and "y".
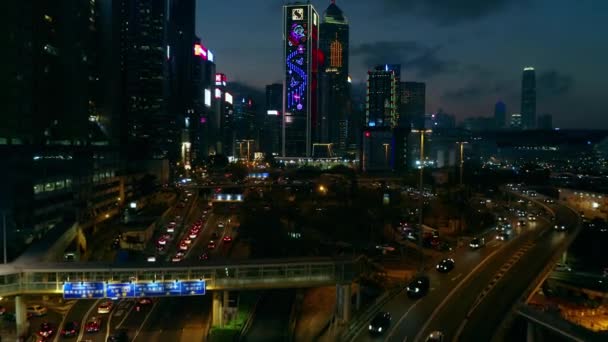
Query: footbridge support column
{"x": 218, "y": 308}
{"x": 22, "y": 324}
{"x": 343, "y": 303}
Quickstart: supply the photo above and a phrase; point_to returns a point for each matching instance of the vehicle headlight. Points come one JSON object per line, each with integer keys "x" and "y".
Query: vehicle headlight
{"x": 379, "y": 329}
{"x": 416, "y": 290}
{"x": 371, "y": 327}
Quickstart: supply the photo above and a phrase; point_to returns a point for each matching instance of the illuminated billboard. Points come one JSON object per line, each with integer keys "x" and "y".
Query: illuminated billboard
{"x": 297, "y": 59}
{"x": 272, "y": 112}
{"x": 228, "y": 98}
{"x": 220, "y": 79}
{"x": 210, "y": 56}
{"x": 218, "y": 93}
{"x": 200, "y": 50}
{"x": 207, "y": 97}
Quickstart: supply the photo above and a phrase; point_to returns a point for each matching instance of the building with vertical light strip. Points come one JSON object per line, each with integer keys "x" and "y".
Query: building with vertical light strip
{"x": 528, "y": 98}
{"x": 300, "y": 52}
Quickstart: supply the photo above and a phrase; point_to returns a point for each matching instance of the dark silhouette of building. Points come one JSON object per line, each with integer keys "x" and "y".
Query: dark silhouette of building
{"x": 500, "y": 115}
{"x": 334, "y": 91}
{"x": 528, "y": 98}
{"x": 382, "y": 94}
{"x": 545, "y": 122}
{"x": 300, "y": 52}
{"x": 412, "y": 104}
{"x": 271, "y": 132}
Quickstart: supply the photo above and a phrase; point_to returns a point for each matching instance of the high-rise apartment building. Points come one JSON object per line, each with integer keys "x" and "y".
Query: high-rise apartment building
{"x": 528, "y": 98}
{"x": 300, "y": 52}
{"x": 334, "y": 90}
{"x": 412, "y": 107}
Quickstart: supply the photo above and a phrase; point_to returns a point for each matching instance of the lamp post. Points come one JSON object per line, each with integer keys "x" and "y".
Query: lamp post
{"x": 461, "y": 143}
{"x": 386, "y": 147}
{"x": 420, "y": 187}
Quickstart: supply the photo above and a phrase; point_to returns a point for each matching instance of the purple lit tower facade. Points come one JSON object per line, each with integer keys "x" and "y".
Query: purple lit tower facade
{"x": 300, "y": 85}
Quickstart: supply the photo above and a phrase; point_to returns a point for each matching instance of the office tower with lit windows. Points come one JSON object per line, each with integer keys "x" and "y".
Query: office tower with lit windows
{"x": 381, "y": 96}
{"x": 500, "y": 115}
{"x": 334, "y": 96}
{"x": 300, "y": 83}
{"x": 272, "y": 123}
{"x": 412, "y": 104}
{"x": 528, "y": 98}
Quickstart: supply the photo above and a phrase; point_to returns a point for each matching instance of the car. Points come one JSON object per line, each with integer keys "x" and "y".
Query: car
{"x": 183, "y": 246}
{"x": 187, "y": 240}
{"x": 118, "y": 336}
{"x": 46, "y": 330}
{"x": 445, "y": 265}
{"x": 522, "y": 223}
{"x": 70, "y": 329}
{"x": 105, "y": 307}
{"x": 227, "y": 239}
{"x": 214, "y": 235}
{"x": 144, "y": 301}
{"x": 178, "y": 257}
{"x": 211, "y": 245}
{"x": 503, "y": 236}
{"x": 198, "y": 223}
{"x": 93, "y": 325}
{"x": 435, "y": 336}
{"x": 380, "y": 323}
{"x": 560, "y": 227}
{"x": 220, "y": 225}
{"x": 549, "y": 200}
{"x": 170, "y": 229}
{"x": 181, "y": 205}
{"x": 193, "y": 235}
{"x": 195, "y": 230}
{"x": 36, "y": 310}
{"x": 203, "y": 256}
{"x": 161, "y": 249}
{"x": 477, "y": 242}
{"x": 2, "y": 310}
{"x": 418, "y": 287}
{"x": 531, "y": 217}
{"x": 161, "y": 242}
{"x": 151, "y": 258}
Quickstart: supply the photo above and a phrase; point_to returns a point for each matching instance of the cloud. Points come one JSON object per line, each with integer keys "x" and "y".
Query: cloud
{"x": 477, "y": 90}
{"x": 448, "y": 12}
{"x": 553, "y": 83}
{"x": 414, "y": 57}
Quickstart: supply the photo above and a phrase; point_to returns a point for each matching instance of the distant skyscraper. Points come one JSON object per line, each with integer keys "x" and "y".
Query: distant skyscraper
{"x": 528, "y": 98}
{"x": 412, "y": 104}
{"x": 381, "y": 98}
{"x": 271, "y": 132}
{"x": 334, "y": 91}
{"x": 545, "y": 121}
{"x": 300, "y": 52}
{"x": 516, "y": 121}
{"x": 500, "y": 115}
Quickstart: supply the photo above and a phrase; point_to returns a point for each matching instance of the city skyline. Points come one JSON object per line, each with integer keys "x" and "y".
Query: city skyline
{"x": 469, "y": 60}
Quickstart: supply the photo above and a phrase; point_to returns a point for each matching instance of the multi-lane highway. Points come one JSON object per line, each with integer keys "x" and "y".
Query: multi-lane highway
{"x": 480, "y": 288}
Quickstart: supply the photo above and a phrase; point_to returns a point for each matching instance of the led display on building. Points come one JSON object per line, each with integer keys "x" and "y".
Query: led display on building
{"x": 301, "y": 45}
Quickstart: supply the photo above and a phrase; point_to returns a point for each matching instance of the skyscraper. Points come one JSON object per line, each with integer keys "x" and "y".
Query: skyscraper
{"x": 271, "y": 137}
{"x": 334, "y": 91}
{"x": 412, "y": 104}
{"x": 300, "y": 50}
{"x": 516, "y": 121}
{"x": 381, "y": 96}
{"x": 151, "y": 130}
{"x": 545, "y": 122}
{"x": 528, "y": 98}
{"x": 500, "y": 115}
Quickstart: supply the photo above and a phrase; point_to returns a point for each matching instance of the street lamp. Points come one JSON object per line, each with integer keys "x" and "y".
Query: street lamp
{"x": 420, "y": 185}
{"x": 386, "y": 147}
{"x": 461, "y": 143}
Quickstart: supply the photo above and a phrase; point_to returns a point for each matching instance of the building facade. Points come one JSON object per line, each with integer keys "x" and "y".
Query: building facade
{"x": 334, "y": 90}
{"x": 381, "y": 96}
{"x": 300, "y": 105}
{"x": 412, "y": 104}
{"x": 528, "y": 98}
{"x": 500, "y": 115}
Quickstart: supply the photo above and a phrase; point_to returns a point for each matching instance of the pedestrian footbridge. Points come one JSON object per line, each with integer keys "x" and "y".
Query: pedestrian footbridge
{"x": 24, "y": 279}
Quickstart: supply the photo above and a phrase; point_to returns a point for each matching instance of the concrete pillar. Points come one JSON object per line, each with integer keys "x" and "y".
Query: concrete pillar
{"x": 565, "y": 256}
{"x": 346, "y": 302}
{"x": 217, "y": 308}
{"x": 358, "y": 298}
{"x": 21, "y": 317}
{"x": 530, "y": 332}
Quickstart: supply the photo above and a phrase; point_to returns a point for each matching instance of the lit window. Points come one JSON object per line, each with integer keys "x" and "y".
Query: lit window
{"x": 38, "y": 188}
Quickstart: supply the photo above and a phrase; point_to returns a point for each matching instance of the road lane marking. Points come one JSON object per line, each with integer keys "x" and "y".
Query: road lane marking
{"x": 84, "y": 320}
{"x": 145, "y": 320}
{"x": 124, "y": 318}
{"x": 456, "y": 277}
{"x": 460, "y": 329}
{"x": 400, "y": 320}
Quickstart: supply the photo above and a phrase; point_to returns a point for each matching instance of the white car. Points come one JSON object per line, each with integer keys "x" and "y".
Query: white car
{"x": 151, "y": 259}
{"x": 105, "y": 307}
{"x": 170, "y": 229}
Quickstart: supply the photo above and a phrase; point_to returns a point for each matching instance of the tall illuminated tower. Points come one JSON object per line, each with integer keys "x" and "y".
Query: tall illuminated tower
{"x": 528, "y": 98}
{"x": 334, "y": 92}
{"x": 300, "y": 90}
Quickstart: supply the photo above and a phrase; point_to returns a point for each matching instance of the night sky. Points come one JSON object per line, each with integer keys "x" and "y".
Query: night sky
{"x": 469, "y": 52}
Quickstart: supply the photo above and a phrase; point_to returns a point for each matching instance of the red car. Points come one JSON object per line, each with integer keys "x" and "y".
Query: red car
{"x": 93, "y": 325}
{"x": 211, "y": 245}
{"x": 144, "y": 301}
{"x": 227, "y": 239}
{"x": 46, "y": 330}
{"x": 203, "y": 256}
